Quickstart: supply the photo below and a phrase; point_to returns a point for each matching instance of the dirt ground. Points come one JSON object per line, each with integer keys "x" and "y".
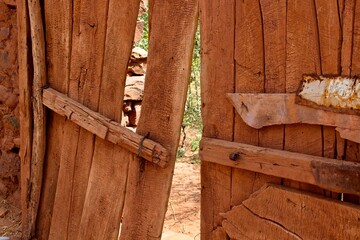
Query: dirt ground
{"x": 183, "y": 215}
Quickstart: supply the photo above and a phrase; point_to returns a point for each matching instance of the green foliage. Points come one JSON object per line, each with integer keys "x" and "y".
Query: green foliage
{"x": 195, "y": 143}
{"x": 180, "y": 152}
{"x": 192, "y": 114}
{"x": 144, "y": 42}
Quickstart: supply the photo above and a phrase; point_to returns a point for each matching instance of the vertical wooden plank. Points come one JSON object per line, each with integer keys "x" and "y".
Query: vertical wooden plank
{"x": 260, "y": 66}
{"x": 352, "y": 148}
{"x": 39, "y": 120}
{"x": 57, "y": 15}
{"x": 173, "y": 30}
{"x": 87, "y": 53}
{"x": 217, "y": 24}
{"x": 25, "y": 82}
{"x": 303, "y": 56}
{"x": 107, "y": 181}
{"x": 330, "y": 37}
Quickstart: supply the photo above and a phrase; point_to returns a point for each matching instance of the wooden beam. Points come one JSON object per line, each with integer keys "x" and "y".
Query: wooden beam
{"x": 260, "y": 110}
{"x": 39, "y": 130}
{"x": 276, "y": 212}
{"x": 25, "y": 110}
{"x": 104, "y": 127}
{"x": 339, "y": 176}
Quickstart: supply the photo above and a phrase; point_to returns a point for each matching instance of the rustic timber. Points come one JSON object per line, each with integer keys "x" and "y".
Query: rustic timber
{"x": 276, "y": 212}
{"x": 260, "y": 110}
{"x": 173, "y": 27}
{"x": 107, "y": 181}
{"x": 26, "y": 119}
{"x": 39, "y": 131}
{"x": 350, "y": 134}
{"x": 58, "y": 23}
{"x": 217, "y": 78}
{"x": 330, "y": 93}
{"x": 104, "y": 127}
{"x": 327, "y": 173}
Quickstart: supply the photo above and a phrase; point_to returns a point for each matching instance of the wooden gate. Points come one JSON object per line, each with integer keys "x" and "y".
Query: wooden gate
{"x": 282, "y": 181}
{"x": 77, "y": 161}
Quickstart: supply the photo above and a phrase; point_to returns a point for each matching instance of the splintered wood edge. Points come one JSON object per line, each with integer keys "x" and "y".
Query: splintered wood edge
{"x": 105, "y": 128}
{"x": 338, "y": 176}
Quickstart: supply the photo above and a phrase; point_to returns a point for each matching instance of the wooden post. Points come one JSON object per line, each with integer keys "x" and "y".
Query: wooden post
{"x": 173, "y": 26}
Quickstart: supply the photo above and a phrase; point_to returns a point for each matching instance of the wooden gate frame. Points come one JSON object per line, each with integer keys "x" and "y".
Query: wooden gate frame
{"x": 173, "y": 24}
{"x": 238, "y": 39}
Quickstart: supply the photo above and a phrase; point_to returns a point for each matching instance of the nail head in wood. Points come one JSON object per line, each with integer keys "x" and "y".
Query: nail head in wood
{"x": 234, "y": 156}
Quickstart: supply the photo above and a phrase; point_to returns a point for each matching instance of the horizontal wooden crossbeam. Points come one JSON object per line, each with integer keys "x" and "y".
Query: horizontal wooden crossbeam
{"x": 104, "y": 127}
{"x": 331, "y": 174}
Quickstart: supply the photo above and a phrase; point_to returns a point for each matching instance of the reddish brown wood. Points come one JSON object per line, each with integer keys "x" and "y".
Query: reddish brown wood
{"x": 173, "y": 26}
{"x": 25, "y": 80}
{"x": 217, "y": 77}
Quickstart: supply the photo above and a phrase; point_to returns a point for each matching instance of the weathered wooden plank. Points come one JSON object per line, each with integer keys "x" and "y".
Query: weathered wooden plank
{"x": 171, "y": 41}
{"x": 103, "y": 206}
{"x": 58, "y": 19}
{"x": 302, "y": 56}
{"x": 217, "y": 24}
{"x": 39, "y": 121}
{"x": 276, "y": 212}
{"x": 104, "y": 127}
{"x": 324, "y": 172}
{"x": 25, "y": 82}
{"x": 87, "y": 53}
{"x": 260, "y": 110}
{"x": 249, "y": 77}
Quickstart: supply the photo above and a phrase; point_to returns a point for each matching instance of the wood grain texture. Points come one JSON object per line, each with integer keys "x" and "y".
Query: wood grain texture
{"x": 173, "y": 26}
{"x": 105, "y": 195}
{"x": 303, "y": 56}
{"x": 217, "y": 23}
{"x": 25, "y": 86}
{"x": 261, "y": 110}
{"x": 58, "y": 19}
{"x": 87, "y": 53}
{"x": 323, "y": 172}
{"x": 39, "y": 120}
{"x": 250, "y": 77}
{"x": 352, "y": 148}
{"x": 274, "y": 212}
{"x": 105, "y": 128}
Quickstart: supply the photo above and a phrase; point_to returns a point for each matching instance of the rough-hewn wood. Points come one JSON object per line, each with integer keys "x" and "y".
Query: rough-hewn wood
{"x": 87, "y": 54}
{"x": 249, "y": 77}
{"x": 104, "y": 127}
{"x": 352, "y": 148}
{"x": 107, "y": 181}
{"x": 58, "y": 19}
{"x": 25, "y": 81}
{"x": 39, "y": 124}
{"x": 276, "y": 212}
{"x": 324, "y": 172}
{"x": 350, "y": 134}
{"x": 171, "y": 41}
{"x": 302, "y": 56}
{"x": 217, "y": 77}
{"x": 260, "y": 110}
